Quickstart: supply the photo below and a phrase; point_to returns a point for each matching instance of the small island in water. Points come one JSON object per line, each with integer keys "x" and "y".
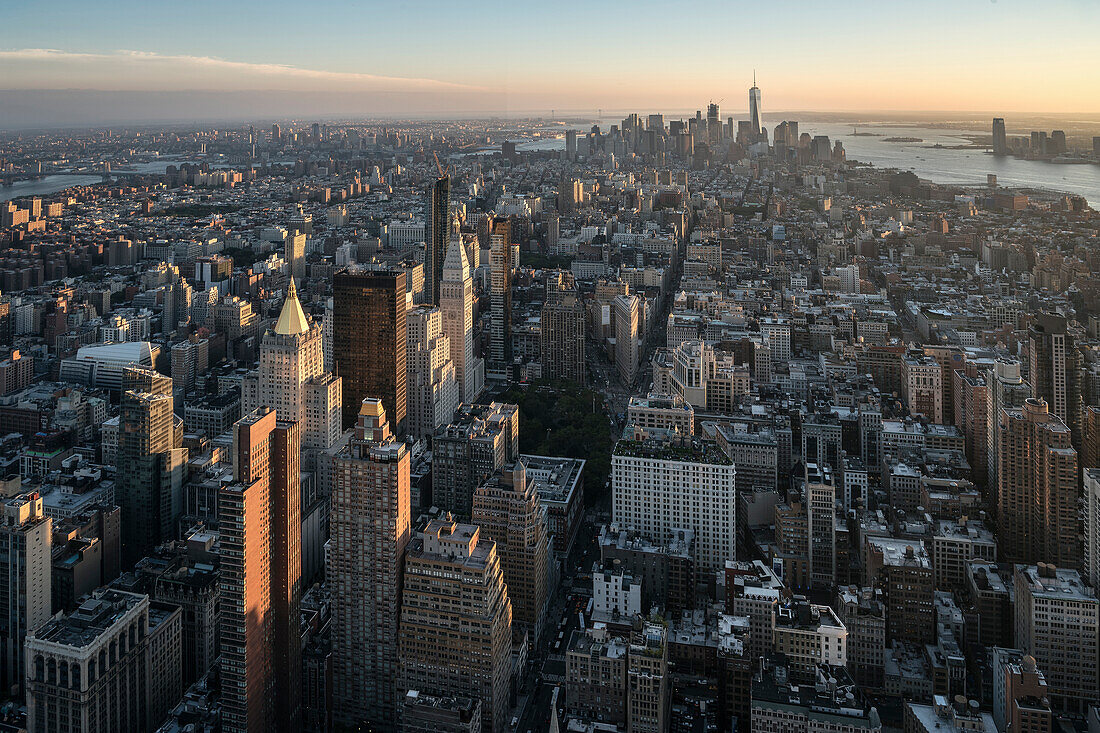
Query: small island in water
{"x": 902, "y": 140}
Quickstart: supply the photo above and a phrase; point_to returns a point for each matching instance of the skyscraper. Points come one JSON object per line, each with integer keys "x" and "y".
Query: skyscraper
{"x": 292, "y": 380}
{"x": 151, "y": 462}
{"x": 508, "y": 511}
{"x": 295, "y": 254}
{"x": 562, "y": 338}
{"x": 433, "y": 394}
{"x": 755, "y": 120}
{"x": 456, "y": 619}
{"x": 628, "y": 325}
{"x": 436, "y": 236}
{"x": 1037, "y": 495}
{"x": 370, "y": 341}
{"x": 369, "y": 528}
{"x": 1056, "y": 370}
{"x": 480, "y": 440}
{"x": 1000, "y": 144}
{"x": 259, "y": 515}
{"x": 25, "y": 536}
{"x": 500, "y": 297}
{"x": 456, "y": 301}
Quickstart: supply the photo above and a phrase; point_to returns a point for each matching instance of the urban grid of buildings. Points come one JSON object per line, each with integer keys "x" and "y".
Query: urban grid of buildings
{"x": 660, "y": 426}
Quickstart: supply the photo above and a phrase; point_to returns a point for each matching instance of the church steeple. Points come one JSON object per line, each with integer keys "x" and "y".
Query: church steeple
{"x": 292, "y": 319}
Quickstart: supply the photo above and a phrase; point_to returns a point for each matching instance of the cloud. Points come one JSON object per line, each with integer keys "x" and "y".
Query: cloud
{"x": 48, "y": 68}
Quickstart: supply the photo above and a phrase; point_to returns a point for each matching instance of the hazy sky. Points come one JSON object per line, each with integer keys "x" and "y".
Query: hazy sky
{"x": 975, "y": 55}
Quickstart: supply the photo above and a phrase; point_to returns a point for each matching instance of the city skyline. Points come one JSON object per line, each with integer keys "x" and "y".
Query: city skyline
{"x": 138, "y": 53}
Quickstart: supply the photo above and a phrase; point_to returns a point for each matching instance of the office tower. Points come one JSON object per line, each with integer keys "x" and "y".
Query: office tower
{"x": 1006, "y": 389}
{"x": 259, "y": 516}
{"x": 903, "y": 570}
{"x": 1056, "y": 370}
{"x": 422, "y": 713}
{"x": 570, "y": 145}
{"x": 276, "y": 133}
{"x": 923, "y": 380}
{"x": 971, "y": 400}
{"x": 1037, "y": 494}
{"x": 433, "y": 394}
{"x": 370, "y": 344}
{"x": 509, "y": 513}
{"x": 821, "y": 522}
{"x": 437, "y": 236}
{"x": 562, "y": 338}
{"x": 111, "y": 665}
{"x": 369, "y": 522}
{"x": 478, "y": 441}
{"x": 1021, "y": 697}
{"x": 295, "y": 254}
{"x": 291, "y": 379}
{"x": 755, "y": 120}
{"x": 714, "y": 123}
{"x": 1092, "y": 527}
{"x": 1058, "y": 623}
{"x": 152, "y": 465}
{"x": 628, "y": 335}
{"x": 808, "y": 635}
{"x": 456, "y": 301}
{"x": 1090, "y": 453}
{"x": 25, "y": 561}
{"x": 1000, "y": 144}
{"x": 456, "y": 619}
{"x": 661, "y": 485}
{"x": 500, "y": 298}
{"x": 862, "y": 612}
{"x": 647, "y": 680}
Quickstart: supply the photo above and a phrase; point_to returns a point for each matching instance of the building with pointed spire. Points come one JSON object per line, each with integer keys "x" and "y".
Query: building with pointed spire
{"x": 436, "y": 236}
{"x": 456, "y": 302}
{"x": 369, "y": 525}
{"x": 754, "y": 108}
{"x": 292, "y": 380}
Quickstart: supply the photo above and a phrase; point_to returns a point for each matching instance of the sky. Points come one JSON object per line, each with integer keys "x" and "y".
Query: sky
{"x": 237, "y": 57}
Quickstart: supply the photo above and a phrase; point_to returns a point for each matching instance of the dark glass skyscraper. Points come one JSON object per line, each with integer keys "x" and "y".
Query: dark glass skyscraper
{"x": 436, "y": 236}
{"x": 754, "y": 108}
{"x": 1000, "y": 143}
{"x": 368, "y": 347}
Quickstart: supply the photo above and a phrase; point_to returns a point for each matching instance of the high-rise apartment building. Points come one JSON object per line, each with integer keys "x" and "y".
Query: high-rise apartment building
{"x": 1006, "y": 388}
{"x": 500, "y": 297}
{"x": 113, "y": 664}
{"x": 25, "y": 561}
{"x": 431, "y": 386}
{"x": 291, "y": 379}
{"x": 660, "y": 485}
{"x": 903, "y": 570}
{"x": 1037, "y": 494}
{"x": 477, "y": 442}
{"x": 151, "y": 462}
{"x": 508, "y": 511}
{"x": 369, "y": 526}
{"x": 1058, "y": 623}
{"x": 259, "y": 516}
{"x": 456, "y": 301}
{"x": 456, "y": 619}
{"x": 437, "y": 236}
{"x": 1021, "y": 696}
{"x": 369, "y": 322}
{"x": 647, "y": 679}
{"x": 562, "y": 338}
{"x": 1056, "y": 371}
